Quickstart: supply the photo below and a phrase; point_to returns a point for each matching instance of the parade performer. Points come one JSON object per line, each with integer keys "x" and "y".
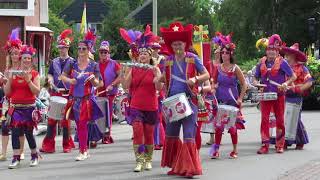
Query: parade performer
{"x": 143, "y": 85}
{"x": 12, "y": 48}
{"x": 159, "y": 129}
{"x": 272, "y": 71}
{"x": 110, "y": 70}
{"x": 298, "y": 89}
{"x": 23, "y": 89}
{"x": 226, "y": 76}
{"x": 183, "y": 158}
{"x": 59, "y": 88}
{"x": 83, "y": 75}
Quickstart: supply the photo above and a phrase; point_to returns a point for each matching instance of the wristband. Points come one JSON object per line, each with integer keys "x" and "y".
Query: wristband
{"x": 196, "y": 79}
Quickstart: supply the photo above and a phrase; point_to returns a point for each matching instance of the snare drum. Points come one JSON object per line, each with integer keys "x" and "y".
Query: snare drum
{"x": 176, "y": 107}
{"x": 104, "y": 106}
{"x": 291, "y": 117}
{"x": 56, "y": 107}
{"x": 266, "y": 96}
{"x": 226, "y": 116}
{"x": 122, "y": 104}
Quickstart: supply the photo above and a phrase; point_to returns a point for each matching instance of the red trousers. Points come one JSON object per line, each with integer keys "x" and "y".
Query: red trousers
{"x": 109, "y": 121}
{"x": 278, "y": 107}
{"x": 142, "y": 133}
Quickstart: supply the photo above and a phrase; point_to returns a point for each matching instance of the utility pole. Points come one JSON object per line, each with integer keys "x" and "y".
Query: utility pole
{"x": 155, "y": 17}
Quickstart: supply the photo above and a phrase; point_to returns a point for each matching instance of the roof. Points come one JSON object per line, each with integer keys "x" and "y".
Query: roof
{"x": 96, "y": 11}
{"x": 143, "y": 14}
{"x": 38, "y": 29}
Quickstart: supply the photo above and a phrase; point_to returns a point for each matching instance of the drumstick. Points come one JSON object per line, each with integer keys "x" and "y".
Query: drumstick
{"x": 277, "y": 84}
{"x": 231, "y": 94}
{"x": 101, "y": 92}
{"x": 260, "y": 85}
{"x": 89, "y": 78}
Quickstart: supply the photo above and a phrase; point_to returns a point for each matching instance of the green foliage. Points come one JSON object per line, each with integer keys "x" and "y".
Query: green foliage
{"x": 187, "y": 11}
{"x": 251, "y": 20}
{"x": 111, "y": 24}
{"x": 56, "y": 25}
{"x": 249, "y": 64}
{"x": 314, "y": 68}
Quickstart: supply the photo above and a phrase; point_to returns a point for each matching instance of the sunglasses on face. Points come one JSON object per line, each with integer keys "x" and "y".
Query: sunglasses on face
{"x": 104, "y": 52}
{"x": 225, "y": 52}
{"x": 82, "y": 48}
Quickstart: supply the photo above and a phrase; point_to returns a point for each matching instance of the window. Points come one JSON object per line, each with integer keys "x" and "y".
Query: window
{"x": 13, "y": 4}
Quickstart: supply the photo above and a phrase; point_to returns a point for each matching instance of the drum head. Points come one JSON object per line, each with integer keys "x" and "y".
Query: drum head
{"x": 58, "y": 99}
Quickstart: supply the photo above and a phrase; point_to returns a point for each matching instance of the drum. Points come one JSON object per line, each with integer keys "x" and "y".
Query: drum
{"x": 226, "y": 116}
{"x": 176, "y": 107}
{"x": 64, "y": 92}
{"x": 122, "y": 104}
{"x": 212, "y": 109}
{"x": 56, "y": 107}
{"x": 266, "y": 96}
{"x": 104, "y": 106}
{"x": 291, "y": 118}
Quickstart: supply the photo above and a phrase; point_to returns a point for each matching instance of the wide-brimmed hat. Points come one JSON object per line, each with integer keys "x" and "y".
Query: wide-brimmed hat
{"x": 177, "y": 32}
{"x": 294, "y": 49}
{"x": 104, "y": 45}
{"x": 274, "y": 42}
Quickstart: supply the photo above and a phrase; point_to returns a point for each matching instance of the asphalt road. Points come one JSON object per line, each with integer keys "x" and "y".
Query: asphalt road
{"x": 116, "y": 161}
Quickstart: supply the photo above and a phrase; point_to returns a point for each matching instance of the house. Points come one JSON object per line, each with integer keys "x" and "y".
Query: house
{"x": 96, "y": 11}
{"x": 28, "y": 15}
{"x": 143, "y": 14}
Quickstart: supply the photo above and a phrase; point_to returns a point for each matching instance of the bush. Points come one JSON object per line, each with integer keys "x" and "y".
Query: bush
{"x": 249, "y": 64}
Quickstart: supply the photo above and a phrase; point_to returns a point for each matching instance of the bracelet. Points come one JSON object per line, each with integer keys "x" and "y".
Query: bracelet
{"x": 29, "y": 82}
{"x": 196, "y": 78}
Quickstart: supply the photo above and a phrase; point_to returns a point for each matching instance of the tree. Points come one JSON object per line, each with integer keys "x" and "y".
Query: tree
{"x": 56, "y": 24}
{"x": 253, "y": 19}
{"x": 111, "y": 25}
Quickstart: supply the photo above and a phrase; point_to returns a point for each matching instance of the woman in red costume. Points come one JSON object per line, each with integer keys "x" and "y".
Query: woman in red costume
{"x": 13, "y": 48}
{"x": 23, "y": 89}
{"x": 143, "y": 85}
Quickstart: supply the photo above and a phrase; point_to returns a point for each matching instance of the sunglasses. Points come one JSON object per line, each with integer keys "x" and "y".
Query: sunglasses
{"x": 82, "y": 48}
{"x": 225, "y": 52}
{"x": 104, "y": 52}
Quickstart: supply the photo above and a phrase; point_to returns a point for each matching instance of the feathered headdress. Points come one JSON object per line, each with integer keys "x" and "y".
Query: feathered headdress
{"x": 90, "y": 40}
{"x": 65, "y": 38}
{"x": 13, "y": 40}
{"x": 224, "y": 41}
{"x": 131, "y": 36}
{"x": 29, "y": 50}
{"x": 146, "y": 40}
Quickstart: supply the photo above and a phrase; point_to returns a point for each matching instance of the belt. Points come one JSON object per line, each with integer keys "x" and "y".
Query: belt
{"x": 22, "y": 105}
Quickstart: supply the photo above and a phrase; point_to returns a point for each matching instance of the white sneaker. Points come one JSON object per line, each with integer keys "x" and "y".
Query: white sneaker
{"x": 14, "y": 164}
{"x": 82, "y": 156}
{"x": 22, "y": 156}
{"x": 34, "y": 162}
